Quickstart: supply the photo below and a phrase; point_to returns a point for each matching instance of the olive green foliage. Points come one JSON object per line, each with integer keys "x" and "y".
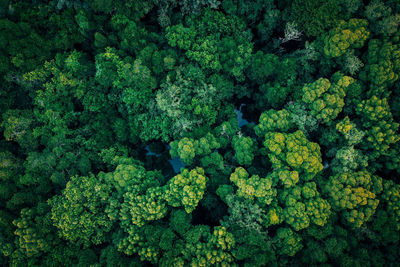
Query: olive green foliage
{"x": 274, "y": 120}
{"x": 188, "y": 148}
{"x": 199, "y": 133}
{"x": 354, "y": 195}
{"x": 383, "y": 62}
{"x": 304, "y": 205}
{"x": 390, "y": 196}
{"x": 326, "y": 100}
{"x": 383, "y": 20}
{"x": 316, "y": 16}
{"x": 79, "y": 213}
{"x": 253, "y": 187}
{"x": 294, "y": 151}
{"x": 346, "y": 35}
{"x": 288, "y": 241}
{"x": 380, "y": 128}
{"x": 186, "y": 189}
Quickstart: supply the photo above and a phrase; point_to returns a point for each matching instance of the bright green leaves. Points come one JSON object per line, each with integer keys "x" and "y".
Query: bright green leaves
{"x": 313, "y": 91}
{"x": 295, "y": 151}
{"x": 244, "y": 148}
{"x": 207, "y": 248}
{"x": 188, "y": 148}
{"x": 147, "y": 207}
{"x": 287, "y": 178}
{"x": 253, "y": 187}
{"x": 344, "y": 36}
{"x": 294, "y": 212}
{"x": 303, "y": 205}
{"x": 273, "y": 120}
{"x": 130, "y": 84}
{"x": 137, "y": 83}
{"x": 186, "y": 189}
{"x": 319, "y": 210}
{"x": 326, "y": 100}
{"x": 143, "y": 241}
{"x": 128, "y": 76}
{"x": 295, "y": 161}
{"x": 137, "y": 197}
{"x": 184, "y": 149}
{"x": 349, "y": 130}
{"x": 34, "y": 230}
{"x": 354, "y": 196}
{"x": 130, "y": 175}
{"x": 79, "y": 212}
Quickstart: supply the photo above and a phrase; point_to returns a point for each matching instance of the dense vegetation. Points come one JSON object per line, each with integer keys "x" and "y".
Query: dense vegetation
{"x": 199, "y": 133}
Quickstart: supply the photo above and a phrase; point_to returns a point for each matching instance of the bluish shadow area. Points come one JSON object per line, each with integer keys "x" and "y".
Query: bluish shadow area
{"x": 177, "y": 164}
{"x": 239, "y": 116}
{"x": 150, "y": 153}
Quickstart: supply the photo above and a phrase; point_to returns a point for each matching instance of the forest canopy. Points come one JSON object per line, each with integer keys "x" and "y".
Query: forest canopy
{"x": 199, "y": 133}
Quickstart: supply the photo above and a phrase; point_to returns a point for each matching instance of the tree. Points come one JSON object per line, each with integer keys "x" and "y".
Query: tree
{"x": 213, "y": 41}
{"x": 79, "y": 213}
{"x": 187, "y": 148}
{"x": 288, "y": 242}
{"x": 346, "y": 35}
{"x": 253, "y": 187}
{"x": 293, "y": 150}
{"x": 325, "y": 100}
{"x": 186, "y": 189}
{"x": 273, "y": 120}
{"x": 244, "y": 149}
{"x": 353, "y": 194}
{"x": 380, "y": 128}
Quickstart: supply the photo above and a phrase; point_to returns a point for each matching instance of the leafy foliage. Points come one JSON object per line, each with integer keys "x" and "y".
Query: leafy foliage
{"x": 199, "y": 133}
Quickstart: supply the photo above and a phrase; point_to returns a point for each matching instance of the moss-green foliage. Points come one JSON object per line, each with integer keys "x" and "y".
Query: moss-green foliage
{"x": 244, "y": 149}
{"x": 186, "y": 189}
{"x": 382, "y": 62}
{"x": 273, "y": 120}
{"x": 288, "y": 242}
{"x": 391, "y": 197}
{"x": 303, "y": 205}
{"x": 354, "y": 195}
{"x": 346, "y": 35}
{"x": 326, "y": 100}
{"x": 383, "y": 20}
{"x": 79, "y": 212}
{"x": 316, "y": 16}
{"x": 253, "y": 187}
{"x": 294, "y": 151}
{"x": 188, "y": 148}
{"x": 199, "y": 133}
{"x": 380, "y": 128}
